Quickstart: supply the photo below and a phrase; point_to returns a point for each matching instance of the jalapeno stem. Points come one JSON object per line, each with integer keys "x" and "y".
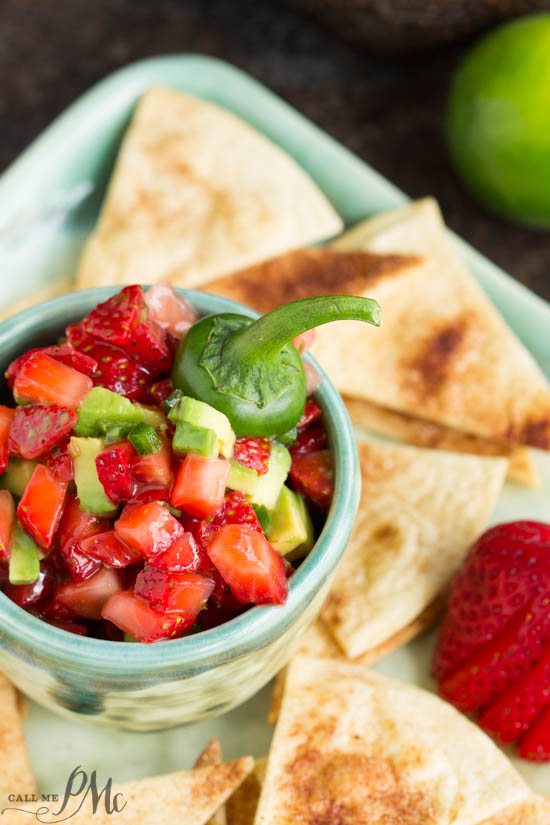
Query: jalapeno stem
{"x": 268, "y": 334}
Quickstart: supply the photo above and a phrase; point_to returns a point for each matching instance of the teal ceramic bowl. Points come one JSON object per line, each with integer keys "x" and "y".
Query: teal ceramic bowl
{"x": 149, "y": 687}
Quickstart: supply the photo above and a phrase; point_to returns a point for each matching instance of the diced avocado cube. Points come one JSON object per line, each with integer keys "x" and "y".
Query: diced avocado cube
{"x": 128, "y": 638}
{"x": 117, "y": 433}
{"x": 192, "y": 411}
{"x": 270, "y": 484}
{"x": 24, "y": 565}
{"x": 102, "y": 410}
{"x": 264, "y": 517}
{"x": 89, "y": 488}
{"x": 17, "y": 475}
{"x": 291, "y": 531}
{"x": 152, "y": 416}
{"x": 145, "y": 439}
{"x": 191, "y": 439}
{"x": 244, "y": 479}
{"x": 172, "y": 400}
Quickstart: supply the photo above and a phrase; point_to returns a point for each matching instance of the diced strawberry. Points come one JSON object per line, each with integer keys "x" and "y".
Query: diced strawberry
{"x": 534, "y": 745}
{"x": 6, "y": 417}
{"x": 253, "y": 452}
{"x": 54, "y": 609}
{"x": 161, "y": 390}
{"x": 514, "y": 710}
{"x": 148, "y": 528}
{"x": 182, "y": 555}
{"x": 59, "y": 461}
{"x": 87, "y": 598}
{"x": 41, "y": 505}
{"x": 114, "y": 320}
{"x": 217, "y": 613}
{"x": 502, "y": 661}
{"x": 148, "y": 348}
{"x": 108, "y": 549}
{"x": 154, "y": 468}
{"x": 43, "y": 380}
{"x": 309, "y": 440}
{"x": 136, "y": 617}
{"x": 248, "y": 563}
{"x": 36, "y": 428}
{"x": 144, "y": 493}
{"x": 75, "y": 526}
{"x": 200, "y": 485}
{"x": 312, "y": 475}
{"x": 183, "y": 593}
{"x": 79, "y": 564}
{"x": 115, "y": 371}
{"x": 7, "y": 519}
{"x": 114, "y": 470}
{"x": 312, "y": 413}
{"x": 236, "y": 509}
{"x": 65, "y": 353}
{"x": 169, "y": 310}
{"x": 27, "y": 594}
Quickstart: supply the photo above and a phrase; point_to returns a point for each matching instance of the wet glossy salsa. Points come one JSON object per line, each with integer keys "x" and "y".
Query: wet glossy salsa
{"x": 131, "y": 510}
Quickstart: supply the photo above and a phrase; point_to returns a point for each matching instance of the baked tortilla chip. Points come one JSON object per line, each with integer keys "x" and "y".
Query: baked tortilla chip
{"x": 15, "y": 771}
{"x": 189, "y": 797}
{"x": 241, "y": 807}
{"x": 443, "y": 352}
{"x": 212, "y": 755}
{"x": 318, "y": 641}
{"x": 197, "y": 192}
{"x": 419, "y": 512}
{"x": 422, "y": 433}
{"x": 535, "y": 811}
{"x": 356, "y": 748}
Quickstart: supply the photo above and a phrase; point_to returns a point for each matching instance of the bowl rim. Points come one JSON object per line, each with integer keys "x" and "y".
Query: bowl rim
{"x": 257, "y": 626}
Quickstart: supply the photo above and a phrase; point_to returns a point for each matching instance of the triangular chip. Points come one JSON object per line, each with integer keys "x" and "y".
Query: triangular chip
{"x": 241, "y": 807}
{"x": 318, "y": 641}
{"x": 356, "y": 748}
{"x": 443, "y": 352}
{"x": 423, "y": 433}
{"x": 15, "y": 770}
{"x": 212, "y": 755}
{"x": 197, "y": 192}
{"x": 189, "y": 797}
{"x": 535, "y": 811}
{"x": 419, "y": 512}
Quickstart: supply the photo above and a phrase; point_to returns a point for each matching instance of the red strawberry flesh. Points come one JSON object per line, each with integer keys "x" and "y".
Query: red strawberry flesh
{"x": 36, "y": 428}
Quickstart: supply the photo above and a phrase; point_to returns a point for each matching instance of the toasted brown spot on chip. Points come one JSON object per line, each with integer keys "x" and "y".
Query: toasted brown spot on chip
{"x": 535, "y": 432}
{"x": 432, "y": 366}
{"x": 307, "y": 273}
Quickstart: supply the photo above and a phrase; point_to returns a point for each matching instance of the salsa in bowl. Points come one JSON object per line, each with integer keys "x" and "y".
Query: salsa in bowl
{"x": 63, "y": 661}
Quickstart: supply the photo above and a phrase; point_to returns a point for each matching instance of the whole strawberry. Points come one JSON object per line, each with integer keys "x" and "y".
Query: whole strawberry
{"x": 493, "y": 651}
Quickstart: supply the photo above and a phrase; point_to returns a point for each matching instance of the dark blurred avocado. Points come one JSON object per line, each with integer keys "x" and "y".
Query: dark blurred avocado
{"x": 412, "y": 25}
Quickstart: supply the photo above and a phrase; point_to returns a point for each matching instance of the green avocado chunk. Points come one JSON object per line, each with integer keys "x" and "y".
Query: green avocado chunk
{"x": 190, "y": 439}
{"x": 244, "y": 479}
{"x": 24, "y": 565}
{"x": 103, "y": 411}
{"x": 269, "y": 484}
{"x": 89, "y": 488}
{"x": 291, "y": 531}
{"x": 17, "y": 475}
{"x": 191, "y": 411}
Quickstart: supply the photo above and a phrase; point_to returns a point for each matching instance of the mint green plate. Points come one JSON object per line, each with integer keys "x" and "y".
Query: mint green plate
{"x": 74, "y": 156}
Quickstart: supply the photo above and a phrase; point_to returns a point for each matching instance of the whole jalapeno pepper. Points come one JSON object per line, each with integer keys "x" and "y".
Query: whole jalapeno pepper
{"x": 250, "y": 370}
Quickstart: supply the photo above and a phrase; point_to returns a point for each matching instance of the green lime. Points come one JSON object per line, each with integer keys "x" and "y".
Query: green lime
{"x": 498, "y": 120}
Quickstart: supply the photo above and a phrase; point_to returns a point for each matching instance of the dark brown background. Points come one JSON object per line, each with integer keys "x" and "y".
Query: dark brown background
{"x": 386, "y": 109}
